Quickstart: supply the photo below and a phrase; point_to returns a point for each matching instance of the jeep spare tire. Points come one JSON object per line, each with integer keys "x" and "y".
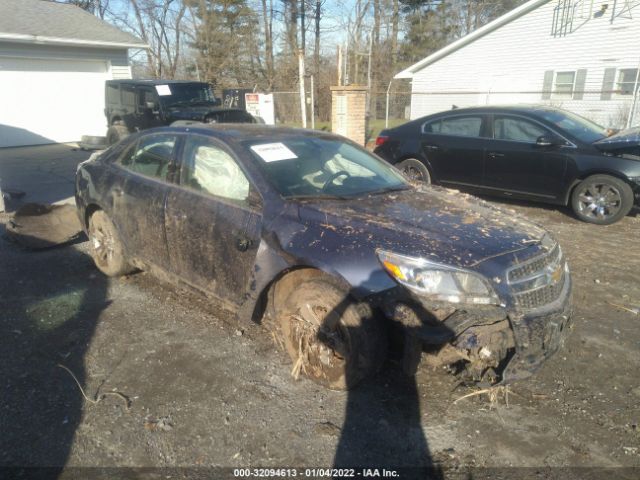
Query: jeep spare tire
{"x": 115, "y": 133}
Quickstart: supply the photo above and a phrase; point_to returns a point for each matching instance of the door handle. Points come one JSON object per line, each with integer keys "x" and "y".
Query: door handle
{"x": 243, "y": 243}
{"x": 495, "y": 154}
{"x": 431, "y": 147}
{"x": 118, "y": 192}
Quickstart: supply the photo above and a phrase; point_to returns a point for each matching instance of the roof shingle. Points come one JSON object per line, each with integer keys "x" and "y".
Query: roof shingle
{"x": 45, "y": 20}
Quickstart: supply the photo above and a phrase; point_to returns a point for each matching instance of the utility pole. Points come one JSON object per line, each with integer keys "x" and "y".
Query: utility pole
{"x": 313, "y": 105}
{"x": 303, "y": 96}
{"x": 368, "y": 108}
{"x": 340, "y": 65}
{"x": 302, "y": 27}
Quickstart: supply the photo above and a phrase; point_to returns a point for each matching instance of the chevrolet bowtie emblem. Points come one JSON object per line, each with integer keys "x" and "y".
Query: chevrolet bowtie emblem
{"x": 554, "y": 275}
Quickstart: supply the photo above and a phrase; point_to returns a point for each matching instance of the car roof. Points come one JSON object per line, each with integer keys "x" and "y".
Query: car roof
{"x": 246, "y": 131}
{"x": 530, "y": 109}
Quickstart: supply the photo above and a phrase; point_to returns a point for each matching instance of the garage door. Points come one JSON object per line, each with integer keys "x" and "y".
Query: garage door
{"x": 46, "y": 101}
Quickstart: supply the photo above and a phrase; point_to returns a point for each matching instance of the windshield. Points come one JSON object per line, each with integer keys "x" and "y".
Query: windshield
{"x": 320, "y": 167}
{"x": 185, "y": 93}
{"x": 581, "y": 128}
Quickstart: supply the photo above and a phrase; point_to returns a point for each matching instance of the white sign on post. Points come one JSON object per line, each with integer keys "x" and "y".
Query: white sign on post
{"x": 261, "y": 105}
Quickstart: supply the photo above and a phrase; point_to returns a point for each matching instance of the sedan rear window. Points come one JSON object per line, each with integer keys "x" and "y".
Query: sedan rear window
{"x": 460, "y": 126}
{"x": 317, "y": 167}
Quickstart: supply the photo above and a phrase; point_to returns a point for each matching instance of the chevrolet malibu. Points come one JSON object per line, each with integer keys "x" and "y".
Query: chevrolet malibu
{"x": 329, "y": 247}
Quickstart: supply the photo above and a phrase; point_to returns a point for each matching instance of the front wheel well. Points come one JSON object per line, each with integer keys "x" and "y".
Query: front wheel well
{"x": 285, "y": 281}
{"x": 90, "y": 210}
{"x": 583, "y": 177}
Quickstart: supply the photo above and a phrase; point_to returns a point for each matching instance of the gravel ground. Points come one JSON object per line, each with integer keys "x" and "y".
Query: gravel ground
{"x": 200, "y": 389}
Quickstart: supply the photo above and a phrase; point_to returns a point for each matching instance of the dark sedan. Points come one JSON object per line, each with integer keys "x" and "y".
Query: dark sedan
{"x": 323, "y": 241}
{"x": 528, "y": 152}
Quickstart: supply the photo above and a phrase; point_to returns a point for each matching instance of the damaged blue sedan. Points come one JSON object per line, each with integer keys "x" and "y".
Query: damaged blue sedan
{"x": 329, "y": 247}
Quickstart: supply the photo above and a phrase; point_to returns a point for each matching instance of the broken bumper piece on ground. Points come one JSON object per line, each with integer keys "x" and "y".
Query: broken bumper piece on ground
{"x": 37, "y": 226}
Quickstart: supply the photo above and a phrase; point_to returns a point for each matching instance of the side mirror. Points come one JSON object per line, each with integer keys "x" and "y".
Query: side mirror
{"x": 549, "y": 141}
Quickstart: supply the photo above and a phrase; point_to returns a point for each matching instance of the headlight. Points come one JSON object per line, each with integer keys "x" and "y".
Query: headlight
{"x": 440, "y": 282}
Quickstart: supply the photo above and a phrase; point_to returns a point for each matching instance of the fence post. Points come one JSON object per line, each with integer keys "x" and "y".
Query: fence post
{"x": 386, "y": 113}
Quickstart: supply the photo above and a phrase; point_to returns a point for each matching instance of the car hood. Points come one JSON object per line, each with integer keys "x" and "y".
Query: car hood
{"x": 625, "y": 139}
{"x": 439, "y": 224}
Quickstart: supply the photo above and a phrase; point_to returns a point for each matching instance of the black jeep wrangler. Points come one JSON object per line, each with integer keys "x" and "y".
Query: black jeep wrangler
{"x": 133, "y": 105}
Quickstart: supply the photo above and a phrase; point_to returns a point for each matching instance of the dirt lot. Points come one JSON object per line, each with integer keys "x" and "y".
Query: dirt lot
{"x": 207, "y": 391}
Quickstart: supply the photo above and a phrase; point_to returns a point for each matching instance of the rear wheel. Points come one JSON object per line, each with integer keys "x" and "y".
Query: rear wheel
{"x": 602, "y": 199}
{"x": 334, "y": 340}
{"x": 415, "y": 170}
{"x": 106, "y": 247}
{"x": 116, "y": 132}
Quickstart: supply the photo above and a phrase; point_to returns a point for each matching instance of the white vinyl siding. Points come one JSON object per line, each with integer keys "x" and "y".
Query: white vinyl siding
{"x": 510, "y": 64}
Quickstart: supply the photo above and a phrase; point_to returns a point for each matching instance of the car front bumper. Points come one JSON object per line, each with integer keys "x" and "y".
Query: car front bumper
{"x": 518, "y": 342}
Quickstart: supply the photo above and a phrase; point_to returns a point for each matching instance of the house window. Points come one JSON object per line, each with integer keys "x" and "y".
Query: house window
{"x": 626, "y": 81}
{"x": 564, "y": 84}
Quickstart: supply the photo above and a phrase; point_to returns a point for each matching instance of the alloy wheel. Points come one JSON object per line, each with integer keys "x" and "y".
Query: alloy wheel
{"x": 599, "y": 201}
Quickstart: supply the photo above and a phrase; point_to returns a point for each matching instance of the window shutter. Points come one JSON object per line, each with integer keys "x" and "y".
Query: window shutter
{"x": 547, "y": 85}
{"x": 581, "y": 80}
{"x": 607, "y": 83}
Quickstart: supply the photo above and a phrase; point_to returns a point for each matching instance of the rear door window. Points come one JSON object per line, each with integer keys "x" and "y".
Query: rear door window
{"x": 150, "y": 156}
{"x": 516, "y": 129}
{"x": 461, "y": 126}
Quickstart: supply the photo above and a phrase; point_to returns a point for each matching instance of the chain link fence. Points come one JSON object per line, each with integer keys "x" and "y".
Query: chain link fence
{"x": 614, "y": 109}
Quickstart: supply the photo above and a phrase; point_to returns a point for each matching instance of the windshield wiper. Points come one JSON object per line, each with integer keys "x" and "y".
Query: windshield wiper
{"x": 318, "y": 196}
{"x": 398, "y": 188}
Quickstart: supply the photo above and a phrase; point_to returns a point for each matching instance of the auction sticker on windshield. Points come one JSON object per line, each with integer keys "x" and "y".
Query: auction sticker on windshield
{"x": 163, "y": 90}
{"x": 273, "y": 152}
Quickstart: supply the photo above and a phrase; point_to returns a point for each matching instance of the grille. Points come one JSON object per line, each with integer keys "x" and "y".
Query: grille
{"x": 536, "y": 266}
{"x": 539, "y": 281}
{"x": 541, "y": 296}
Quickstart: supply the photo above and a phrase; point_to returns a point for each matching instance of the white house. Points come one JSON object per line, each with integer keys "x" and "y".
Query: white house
{"x": 581, "y": 55}
{"x": 54, "y": 60}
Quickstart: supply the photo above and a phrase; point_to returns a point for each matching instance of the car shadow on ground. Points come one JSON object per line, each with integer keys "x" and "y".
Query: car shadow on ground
{"x": 382, "y": 428}
{"x": 50, "y": 306}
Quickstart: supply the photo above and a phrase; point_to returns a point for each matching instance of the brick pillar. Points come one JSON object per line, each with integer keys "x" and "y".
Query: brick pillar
{"x": 348, "y": 112}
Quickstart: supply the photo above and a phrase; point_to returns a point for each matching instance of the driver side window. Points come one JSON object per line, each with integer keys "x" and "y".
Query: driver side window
{"x": 209, "y": 169}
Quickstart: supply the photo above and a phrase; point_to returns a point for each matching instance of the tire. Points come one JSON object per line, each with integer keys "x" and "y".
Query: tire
{"x": 106, "y": 248}
{"x": 602, "y": 199}
{"x": 332, "y": 339}
{"x": 415, "y": 170}
{"x": 115, "y": 133}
